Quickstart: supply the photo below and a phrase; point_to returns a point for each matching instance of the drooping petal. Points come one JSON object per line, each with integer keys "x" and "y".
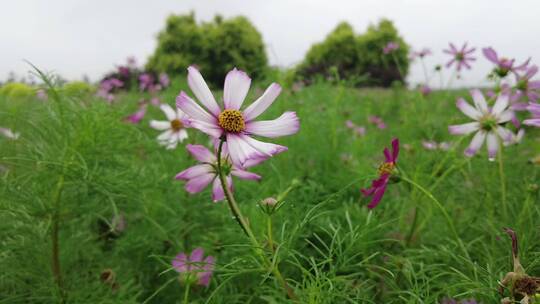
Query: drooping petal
{"x": 262, "y": 103}
{"x": 182, "y": 135}
{"x": 479, "y": 100}
{"x": 245, "y": 174}
{"x": 168, "y": 110}
{"x": 467, "y": 109}
{"x": 377, "y": 196}
{"x": 202, "y": 92}
{"x": 217, "y": 190}
{"x": 287, "y": 124}
{"x": 239, "y": 150}
{"x": 505, "y": 134}
{"x": 492, "y": 143}
{"x": 199, "y": 183}
{"x": 466, "y": 128}
{"x": 500, "y": 104}
{"x": 193, "y": 110}
{"x": 206, "y": 273}
{"x": 237, "y": 84}
{"x": 195, "y": 171}
{"x": 160, "y": 125}
{"x": 491, "y": 55}
{"x": 264, "y": 148}
{"x": 534, "y": 122}
{"x": 180, "y": 263}
{"x": 201, "y": 153}
{"x": 476, "y": 143}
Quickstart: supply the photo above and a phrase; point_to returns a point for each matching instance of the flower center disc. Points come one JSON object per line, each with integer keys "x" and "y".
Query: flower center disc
{"x": 386, "y": 168}
{"x": 231, "y": 121}
{"x": 176, "y": 125}
{"x": 488, "y": 123}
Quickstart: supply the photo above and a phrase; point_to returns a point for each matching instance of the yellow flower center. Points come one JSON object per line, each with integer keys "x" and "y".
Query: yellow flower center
{"x": 231, "y": 121}
{"x": 386, "y": 168}
{"x": 176, "y": 125}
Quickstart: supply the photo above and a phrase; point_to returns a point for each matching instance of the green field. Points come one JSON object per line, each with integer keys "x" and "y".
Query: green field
{"x": 77, "y": 164}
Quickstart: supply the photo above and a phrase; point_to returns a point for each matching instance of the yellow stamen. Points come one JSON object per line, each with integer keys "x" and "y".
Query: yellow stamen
{"x": 232, "y": 121}
{"x": 386, "y": 168}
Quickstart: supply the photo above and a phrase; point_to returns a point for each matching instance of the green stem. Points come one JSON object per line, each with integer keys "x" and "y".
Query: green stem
{"x": 443, "y": 210}
{"x": 269, "y": 231}
{"x": 55, "y": 254}
{"x": 186, "y": 293}
{"x": 413, "y": 227}
{"x": 233, "y": 205}
{"x": 503, "y": 181}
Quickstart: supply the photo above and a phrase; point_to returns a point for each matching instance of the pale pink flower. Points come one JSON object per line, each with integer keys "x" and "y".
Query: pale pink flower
{"x": 503, "y": 65}
{"x": 234, "y": 125}
{"x": 534, "y": 108}
{"x": 174, "y": 128}
{"x": 377, "y": 121}
{"x": 488, "y": 124}
{"x": 195, "y": 265}
{"x": 201, "y": 175}
{"x": 462, "y": 58}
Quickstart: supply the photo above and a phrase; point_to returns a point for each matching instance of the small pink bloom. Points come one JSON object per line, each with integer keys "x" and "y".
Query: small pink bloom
{"x": 390, "y": 47}
{"x": 196, "y": 265}
{"x": 164, "y": 80}
{"x": 462, "y": 57}
{"x": 136, "y": 117}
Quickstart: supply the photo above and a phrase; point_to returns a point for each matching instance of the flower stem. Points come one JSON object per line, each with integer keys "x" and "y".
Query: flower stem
{"x": 269, "y": 232}
{"x": 55, "y": 246}
{"x": 186, "y": 294}
{"x": 413, "y": 227}
{"x": 443, "y": 210}
{"x": 503, "y": 181}
{"x": 233, "y": 205}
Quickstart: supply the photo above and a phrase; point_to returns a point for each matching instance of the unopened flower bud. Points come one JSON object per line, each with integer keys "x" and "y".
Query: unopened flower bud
{"x": 269, "y": 202}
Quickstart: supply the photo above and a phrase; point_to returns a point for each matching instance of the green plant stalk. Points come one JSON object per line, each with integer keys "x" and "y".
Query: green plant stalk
{"x": 233, "y": 205}
{"x": 443, "y": 210}
{"x": 186, "y": 293}
{"x": 269, "y": 231}
{"x": 413, "y": 227}
{"x": 502, "y": 180}
{"x": 55, "y": 256}
{"x": 398, "y": 67}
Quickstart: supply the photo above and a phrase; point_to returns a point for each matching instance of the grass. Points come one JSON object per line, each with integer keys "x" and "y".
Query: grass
{"x": 78, "y": 162}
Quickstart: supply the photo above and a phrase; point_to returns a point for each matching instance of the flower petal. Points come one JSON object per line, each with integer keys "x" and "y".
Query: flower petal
{"x": 479, "y": 100}
{"x": 492, "y": 145}
{"x": 467, "y": 109}
{"x": 500, "y": 104}
{"x": 395, "y": 149}
{"x": 476, "y": 143}
{"x": 202, "y": 92}
{"x": 217, "y": 190}
{"x": 534, "y": 122}
{"x": 237, "y": 84}
{"x": 195, "y": 171}
{"x": 262, "y": 103}
{"x": 505, "y": 116}
{"x": 160, "y": 124}
{"x": 464, "y": 128}
{"x": 243, "y": 174}
{"x": 206, "y": 273}
{"x": 168, "y": 110}
{"x": 287, "y": 124}
{"x": 505, "y": 134}
{"x": 240, "y": 150}
{"x": 180, "y": 263}
{"x": 267, "y": 149}
{"x": 211, "y": 129}
{"x": 198, "y": 183}
{"x": 165, "y": 136}
{"x": 201, "y": 153}
{"x": 491, "y": 55}
{"x": 193, "y": 110}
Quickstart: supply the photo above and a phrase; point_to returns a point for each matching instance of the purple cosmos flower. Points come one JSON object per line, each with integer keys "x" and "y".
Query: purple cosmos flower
{"x": 525, "y": 87}
{"x": 420, "y": 54}
{"x": 136, "y": 117}
{"x": 503, "y": 65}
{"x": 377, "y": 121}
{"x": 488, "y": 123}
{"x": 534, "y": 108}
{"x": 462, "y": 57}
{"x": 235, "y": 125}
{"x": 146, "y": 81}
{"x": 201, "y": 175}
{"x": 378, "y": 186}
{"x": 173, "y": 127}
{"x": 8, "y": 133}
{"x": 195, "y": 266}
{"x": 390, "y": 47}
{"x": 164, "y": 80}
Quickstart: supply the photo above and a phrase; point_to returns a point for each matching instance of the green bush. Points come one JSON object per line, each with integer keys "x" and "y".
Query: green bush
{"x": 15, "y": 90}
{"x": 214, "y": 47}
{"x": 78, "y": 88}
{"x": 359, "y": 59}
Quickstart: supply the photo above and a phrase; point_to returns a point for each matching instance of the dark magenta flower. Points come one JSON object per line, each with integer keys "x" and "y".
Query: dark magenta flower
{"x": 462, "y": 58}
{"x": 195, "y": 266}
{"x": 386, "y": 169}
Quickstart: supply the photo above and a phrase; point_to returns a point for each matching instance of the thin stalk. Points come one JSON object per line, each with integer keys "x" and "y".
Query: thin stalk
{"x": 186, "y": 294}
{"x": 55, "y": 254}
{"x": 269, "y": 232}
{"x": 503, "y": 181}
{"x": 413, "y": 227}
{"x": 443, "y": 210}
{"x": 233, "y": 205}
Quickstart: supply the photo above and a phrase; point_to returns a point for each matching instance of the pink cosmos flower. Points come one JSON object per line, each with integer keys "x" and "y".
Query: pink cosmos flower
{"x": 145, "y": 81}
{"x": 462, "y": 57}
{"x": 534, "y": 108}
{"x": 359, "y": 130}
{"x": 234, "y": 125}
{"x": 195, "y": 266}
{"x": 420, "y": 54}
{"x": 377, "y": 121}
{"x": 201, "y": 175}
{"x": 378, "y": 186}
{"x": 390, "y": 47}
{"x": 174, "y": 127}
{"x": 488, "y": 123}
{"x": 525, "y": 87}
{"x": 136, "y": 117}
{"x": 164, "y": 80}
{"x": 503, "y": 65}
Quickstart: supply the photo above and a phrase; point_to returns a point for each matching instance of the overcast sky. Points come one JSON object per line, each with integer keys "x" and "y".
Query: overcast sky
{"x": 76, "y": 37}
